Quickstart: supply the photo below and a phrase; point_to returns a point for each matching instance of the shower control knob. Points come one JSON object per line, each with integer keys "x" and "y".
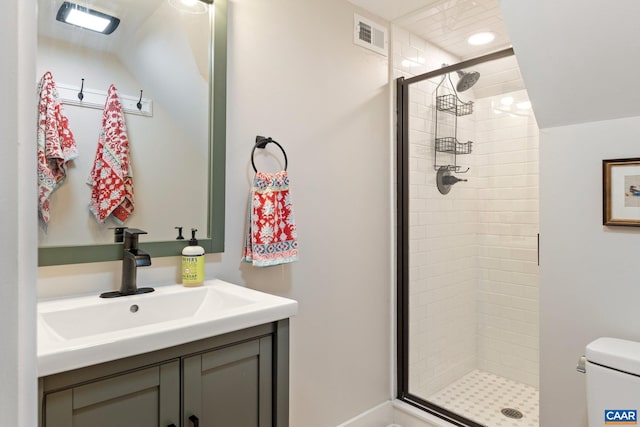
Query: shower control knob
{"x": 450, "y": 179}
{"x": 444, "y": 179}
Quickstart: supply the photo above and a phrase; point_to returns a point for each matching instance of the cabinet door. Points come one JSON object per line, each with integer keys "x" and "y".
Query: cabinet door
{"x": 144, "y": 398}
{"x": 231, "y": 386}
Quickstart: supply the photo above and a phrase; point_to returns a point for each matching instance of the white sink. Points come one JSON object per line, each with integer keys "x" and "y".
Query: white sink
{"x": 81, "y": 331}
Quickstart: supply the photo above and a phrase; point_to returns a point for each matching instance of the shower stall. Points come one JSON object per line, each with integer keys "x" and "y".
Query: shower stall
{"x": 467, "y": 213}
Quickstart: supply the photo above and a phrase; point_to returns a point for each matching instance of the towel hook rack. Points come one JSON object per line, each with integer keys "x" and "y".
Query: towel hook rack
{"x": 81, "y": 94}
{"x": 261, "y": 142}
{"x": 139, "y": 104}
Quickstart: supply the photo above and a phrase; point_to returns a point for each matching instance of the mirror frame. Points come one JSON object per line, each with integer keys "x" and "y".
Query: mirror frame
{"x": 214, "y": 242}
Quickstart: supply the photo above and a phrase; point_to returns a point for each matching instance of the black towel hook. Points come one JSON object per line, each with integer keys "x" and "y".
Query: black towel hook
{"x": 261, "y": 142}
{"x": 80, "y": 94}
{"x": 139, "y": 104}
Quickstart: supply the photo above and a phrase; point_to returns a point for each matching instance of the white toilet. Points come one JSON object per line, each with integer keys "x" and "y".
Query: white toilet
{"x": 612, "y": 367}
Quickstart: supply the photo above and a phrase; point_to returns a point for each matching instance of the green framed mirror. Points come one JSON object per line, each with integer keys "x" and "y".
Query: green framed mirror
{"x": 213, "y": 190}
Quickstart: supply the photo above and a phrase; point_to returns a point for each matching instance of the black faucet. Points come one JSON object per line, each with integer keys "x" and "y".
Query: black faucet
{"x": 132, "y": 258}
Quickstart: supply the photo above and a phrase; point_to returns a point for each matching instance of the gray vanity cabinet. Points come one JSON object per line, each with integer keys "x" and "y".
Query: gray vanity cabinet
{"x": 230, "y": 386}
{"x": 238, "y": 379}
{"x": 144, "y": 398}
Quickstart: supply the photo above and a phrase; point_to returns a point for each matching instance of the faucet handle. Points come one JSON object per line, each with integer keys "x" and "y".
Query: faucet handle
{"x": 131, "y": 237}
{"x": 134, "y": 231}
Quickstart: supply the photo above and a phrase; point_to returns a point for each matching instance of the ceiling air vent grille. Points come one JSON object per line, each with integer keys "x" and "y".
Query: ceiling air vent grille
{"x": 370, "y": 35}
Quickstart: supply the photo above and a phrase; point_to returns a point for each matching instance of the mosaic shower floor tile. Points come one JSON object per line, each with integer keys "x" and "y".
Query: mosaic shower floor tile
{"x": 481, "y": 396}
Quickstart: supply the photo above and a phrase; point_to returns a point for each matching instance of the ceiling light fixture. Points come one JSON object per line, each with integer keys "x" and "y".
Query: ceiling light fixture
{"x": 80, "y": 16}
{"x": 190, "y": 6}
{"x": 507, "y": 100}
{"x": 525, "y": 105}
{"x": 481, "y": 38}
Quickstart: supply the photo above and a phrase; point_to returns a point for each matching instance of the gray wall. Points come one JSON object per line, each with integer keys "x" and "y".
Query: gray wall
{"x": 589, "y": 281}
{"x": 295, "y": 75}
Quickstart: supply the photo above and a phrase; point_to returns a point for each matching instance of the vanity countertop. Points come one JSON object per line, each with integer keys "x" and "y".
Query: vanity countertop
{"x": 80, "y": 331}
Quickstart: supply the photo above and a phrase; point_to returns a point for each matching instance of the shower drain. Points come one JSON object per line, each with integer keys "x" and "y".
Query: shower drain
{"x": 511, "y": 413}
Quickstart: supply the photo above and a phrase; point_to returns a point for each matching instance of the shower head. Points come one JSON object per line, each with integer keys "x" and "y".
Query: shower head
{"x": 466, "y": 80}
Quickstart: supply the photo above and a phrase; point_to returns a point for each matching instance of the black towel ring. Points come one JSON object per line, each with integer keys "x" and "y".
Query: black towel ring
{"x": 261, "y": 142}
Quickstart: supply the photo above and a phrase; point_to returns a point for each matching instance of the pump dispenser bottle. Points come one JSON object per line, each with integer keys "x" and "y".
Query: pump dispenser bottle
{"x": 193, "y": 262}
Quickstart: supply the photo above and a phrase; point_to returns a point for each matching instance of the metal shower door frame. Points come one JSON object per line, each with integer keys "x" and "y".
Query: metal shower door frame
{"x": 402, "y": 234}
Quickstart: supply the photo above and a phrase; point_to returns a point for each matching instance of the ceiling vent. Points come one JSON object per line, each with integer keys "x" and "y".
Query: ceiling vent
{"x": 370, "y": 35}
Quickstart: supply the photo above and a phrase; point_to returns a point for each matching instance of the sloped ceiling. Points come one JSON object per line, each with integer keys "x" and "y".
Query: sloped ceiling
{"x": 577, "y": 57}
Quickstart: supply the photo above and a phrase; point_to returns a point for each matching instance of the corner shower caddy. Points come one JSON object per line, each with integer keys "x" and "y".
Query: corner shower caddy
{"x": 451, "y": 104}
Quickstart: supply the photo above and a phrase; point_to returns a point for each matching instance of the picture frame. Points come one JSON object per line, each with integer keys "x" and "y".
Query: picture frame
{"x": 621, "y": 192}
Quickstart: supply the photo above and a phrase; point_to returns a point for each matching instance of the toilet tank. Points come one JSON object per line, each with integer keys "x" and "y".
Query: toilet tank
{"x": 613, "y": 382}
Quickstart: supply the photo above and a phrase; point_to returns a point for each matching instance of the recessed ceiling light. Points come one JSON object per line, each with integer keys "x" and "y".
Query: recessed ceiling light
{"x": 80, "y": 16}
{"x": 481, "y": 38}
{"x": 190, "y": 6}
{"x": 526, "y": 105}
{"x": 507, "y": 100}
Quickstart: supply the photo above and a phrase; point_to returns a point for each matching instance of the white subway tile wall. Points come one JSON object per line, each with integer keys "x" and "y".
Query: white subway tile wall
{"x": 473, "y": 268}
{"x": 507, "y": 301}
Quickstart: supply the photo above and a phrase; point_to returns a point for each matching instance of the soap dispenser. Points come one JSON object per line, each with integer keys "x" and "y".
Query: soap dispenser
{"x": 193, "y": 262}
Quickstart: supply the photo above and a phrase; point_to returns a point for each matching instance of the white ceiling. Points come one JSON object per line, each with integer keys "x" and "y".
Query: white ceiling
{"x": 445, "y": 23}
{"x": 391, "y": 9}
{"x": 448, "y": 24}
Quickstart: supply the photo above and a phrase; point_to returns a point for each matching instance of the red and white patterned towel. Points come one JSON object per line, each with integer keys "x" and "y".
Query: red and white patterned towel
{"x": 271, "y": 237}
{"x": 111, "y": 178}
{"x": 56, "y": 145}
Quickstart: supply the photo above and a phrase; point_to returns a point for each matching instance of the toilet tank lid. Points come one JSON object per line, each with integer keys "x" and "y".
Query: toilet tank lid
{"x": 615, "y": 353}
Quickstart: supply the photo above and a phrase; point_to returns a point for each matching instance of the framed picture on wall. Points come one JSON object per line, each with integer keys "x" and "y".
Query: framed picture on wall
{"x": 621, "y": 192}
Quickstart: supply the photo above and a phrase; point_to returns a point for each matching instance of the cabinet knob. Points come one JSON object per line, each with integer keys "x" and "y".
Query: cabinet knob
{"x": 194, "y": 420}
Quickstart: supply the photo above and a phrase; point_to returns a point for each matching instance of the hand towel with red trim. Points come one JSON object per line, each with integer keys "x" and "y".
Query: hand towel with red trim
{"x": 111, "y": 178}
{"x": 56, "y": 145}
{"x": 271, "y": 237}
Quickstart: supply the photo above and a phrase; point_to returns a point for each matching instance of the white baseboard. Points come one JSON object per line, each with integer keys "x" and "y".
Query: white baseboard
{"x": 395, "y": 414}
{"x": 405, "y": 415}
{"x": 378, "y": 416}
